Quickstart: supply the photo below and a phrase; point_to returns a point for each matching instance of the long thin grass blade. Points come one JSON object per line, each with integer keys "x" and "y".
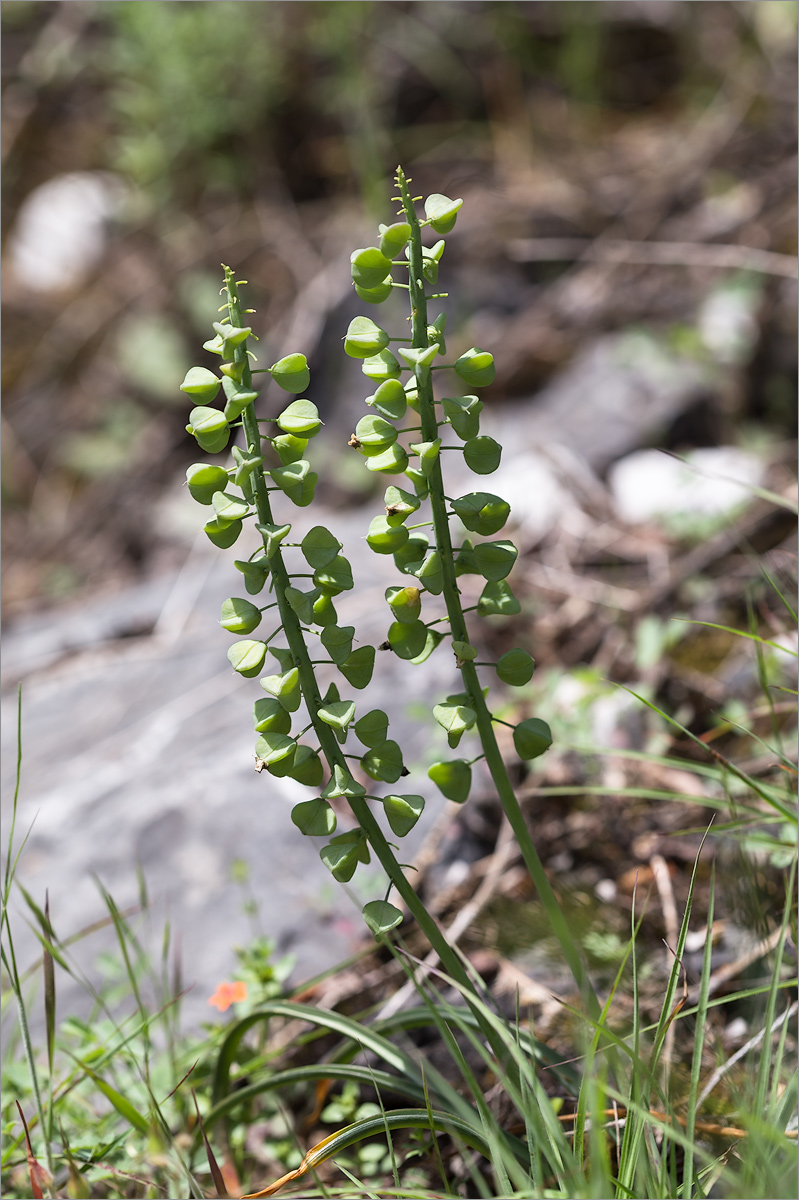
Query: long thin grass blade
{"x": 38, "y": 1176}
{"x": 216, "y": 1174}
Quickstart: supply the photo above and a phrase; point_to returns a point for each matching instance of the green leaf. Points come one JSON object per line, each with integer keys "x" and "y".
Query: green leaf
{"x": 338, "y": 641}
{"x": 407, "y": 639}
{"x": 381, "y": 917}
{"x": 389, "y": 400}
{"x": 382, "y": 366}
{"x": 532, "y": 738}
{"x": 291, "y": 374}
{"x": 403, "y": 812}
{"x": 431, "y": 573}
{"x": 301, "y": 419}
{"x": 384, "y": 538}
{"x": 495, "y": 559}
{"x": 341, "y": 783}
{"x": 247, "y": 658}
{"x": 222, "y": 533}
{"x": 273, "y": 535}
{"x": 394, "y": 238}
{"x": 274, "y": 747}
{"x": 339, "y": 713}
{"x": 405, "y": 603}
{"x": 204, "y": 480}
{"x": 496, "y": 599}
{"x": 335, "y": 577}
{"x": 384, "y": 762}
{"x": 119, "y": 1102}
{"x": 371, "y": 728}
{"x": 463, "y": 413}
{"x": 319, "y": 546}
{"x": 229, "y": 507}
{"x": 307, "y": 767}
{"x": 200, "y": 382}
{"x": 482, "y": 454}
{"x": 314, "y": 818}
{"x": 375, "y": 434}
{"x": 239, "y": 616}
{"x": 285, "y": 687}
{"x": 369, "y": 267}
{"x": 516, "y": 667}
{"x": 481, "y": 512}
{"x": 399, "y": 504}
{"x": 270, "y": 716}
{"x": 358, "y": 668}
{"x": 392, "y": 461}
{"x": 441, "y": 212}
{"x": 476, "y": 367}
{"x": 453, "y": 779}
{"x": 255, "y": 573}
{"x": 364, "y": 339}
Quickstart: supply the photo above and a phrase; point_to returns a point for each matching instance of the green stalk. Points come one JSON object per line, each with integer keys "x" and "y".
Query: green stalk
{"x": 457, "y": 620}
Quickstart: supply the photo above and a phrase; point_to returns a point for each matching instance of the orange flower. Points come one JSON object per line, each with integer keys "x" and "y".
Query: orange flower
{"x": 227, "y": 994}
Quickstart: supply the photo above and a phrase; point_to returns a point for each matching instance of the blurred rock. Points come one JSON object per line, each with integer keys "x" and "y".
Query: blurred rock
{"x": 709, "y": 482}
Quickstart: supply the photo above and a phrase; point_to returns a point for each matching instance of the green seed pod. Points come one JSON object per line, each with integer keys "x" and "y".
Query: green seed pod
{"x": 307, "y": 767}
{"x": 495, "y": 559}
{"x": 411, "y": 390}
{"x": 476, "y": 367}
{"x": 290, "y": 449}
{"x": 420, "y": 485}
{"x": 407, "y": 639}
{"x": 238, "y": 398}
{"x": 481, "y": 512}
{"x": 428, "y": 455}
{"x": 291, "y": 374}
{"x": 435, "y": 332}
{"x": 384, "y": 762}
{"x": 273, "y": 535}
{"x": 247, "y": 658}
{"x": 369, "y": 267}
{"x": 432, "y": 640}
{"x": 338, "y": 641}
{"x": 324, "y": 613}
{"x": 210, "y": 428}
{"x": 497, "y": 600}
{"x": 286, "y": 687}
{"x": 394, "y": 238}
{"x": 389, "y": 400}
{"x": 291, "y": 475}
{"x": 320, "y": 547}
{"x": 222, "y": 533}
{"x": 234, "y": 370}
{"x": 399, "y": 505}
{"x": 301, "y": 603}
{"x": 364, "y": 339}
{"x": 431, "y": 573}
{"x": 532, "y": 738}
{"x": 384, "y": 538}
{"x": 516, "y": 668}
{"x": 464, "y": 652}
{"x": 334, "y": 576}
{"x": 374, "y": 434}
{"x": 245, "y": 465}
{"x": 302, "y": 494}
{"x": 381, "y": 917}
{"x": 283, "y": 656}
{"x": 482, "y": 455}
{"x": 419, "y": 359}
{"x": 411, "y": 555}
{"x": 301, "y": 419}
{"x": 456, "y": 719}
{"x": 393, "y": 461}
{"x": 341, "y": 861}
{"x": 403, "y": 812}
{"x": 382, "y": 366}
{"x": 272, "y": 748}
{"x": 453, "y": 779}
{"x": 204, "y": 480}
{"x": 431, "y": 257}
{"x": 239, "y": 616}
{"x": 229, "y": 507}
{"x": 371, "y": 729}
{"x": 216, "y": 345}
{"x": 358, "y": 668}
{"x": 463, "y": 414}
{"x": 341, "y": 783}
{"x": 255, "y": 574}
{"x": 314, "y": 818}
{"x": 464, "y": 563}
{"x": 442, "y": 212}
{"x": 338, "y": 713}
{"x": 405, "y": 603}
{"x": 270, "y": 716}
{"x": 232, "y": 335}
{"x": 200, "y": 382}
{"x": 375, "y": 295}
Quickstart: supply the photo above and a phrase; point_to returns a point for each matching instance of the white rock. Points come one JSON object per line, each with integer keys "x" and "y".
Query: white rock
{"x": 650, "y": 484}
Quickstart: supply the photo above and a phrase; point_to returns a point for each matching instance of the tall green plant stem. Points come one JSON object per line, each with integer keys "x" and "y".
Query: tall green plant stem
{"x": 494, "y": 761}
{"x": 327, "y": 740}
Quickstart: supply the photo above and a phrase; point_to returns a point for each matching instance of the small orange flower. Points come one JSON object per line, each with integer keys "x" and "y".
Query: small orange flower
{"x": 227, "y": 994}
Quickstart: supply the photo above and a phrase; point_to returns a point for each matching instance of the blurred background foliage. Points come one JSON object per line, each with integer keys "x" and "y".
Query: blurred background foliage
{"x": 265, "y": 135}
